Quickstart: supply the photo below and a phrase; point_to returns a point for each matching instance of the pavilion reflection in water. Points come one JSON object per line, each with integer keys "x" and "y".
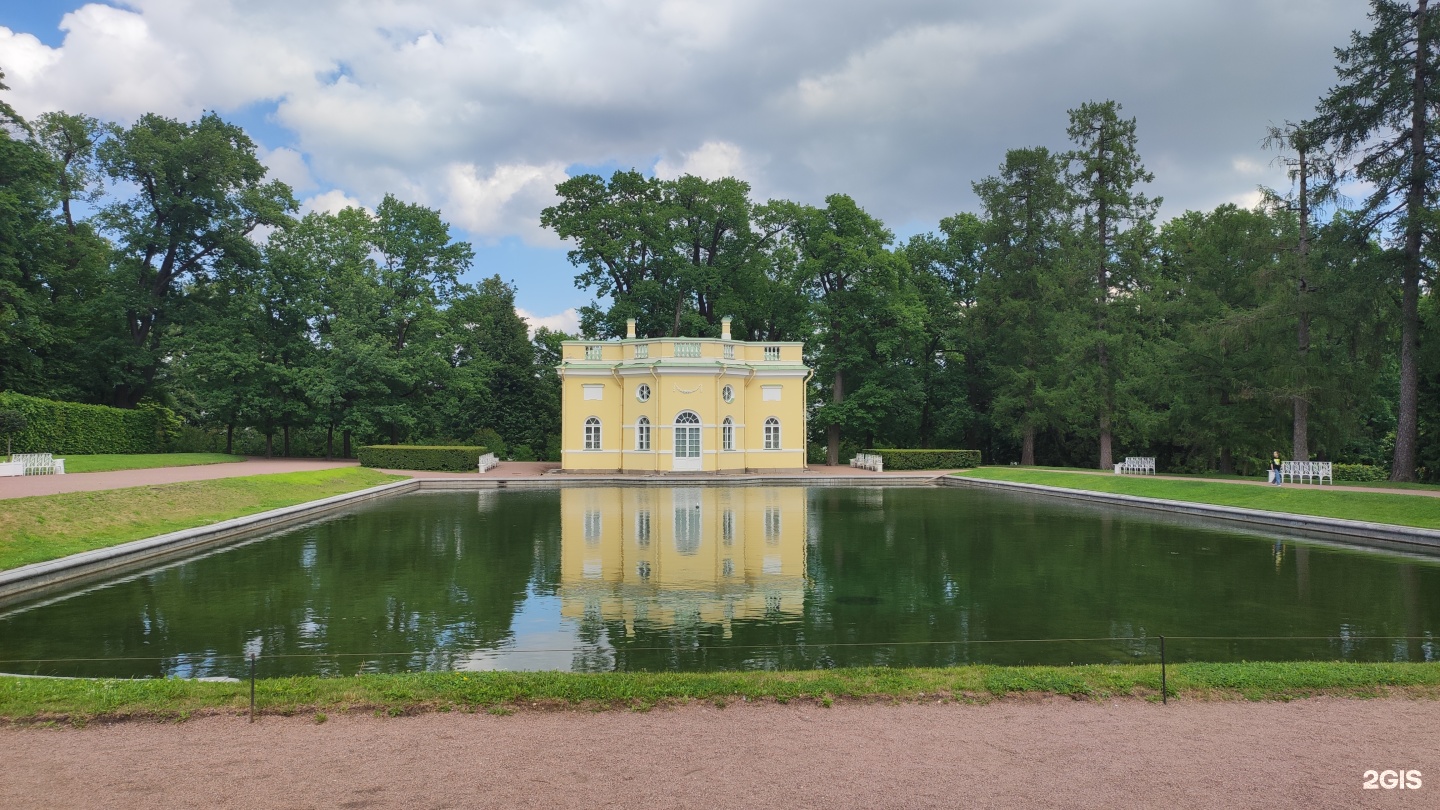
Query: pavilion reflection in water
{"x": 666, "y": 557}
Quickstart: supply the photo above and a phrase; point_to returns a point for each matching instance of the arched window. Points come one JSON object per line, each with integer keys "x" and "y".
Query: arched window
{"x": 592, "y": 434}
{"x": 687, "y": 418}
{"x": 727, "y": 434}
{"x": 642, "y": 434}
{"x": 772, "y": 434}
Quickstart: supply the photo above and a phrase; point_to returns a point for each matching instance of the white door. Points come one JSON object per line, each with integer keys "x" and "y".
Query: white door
{"x": 687, "y": 441}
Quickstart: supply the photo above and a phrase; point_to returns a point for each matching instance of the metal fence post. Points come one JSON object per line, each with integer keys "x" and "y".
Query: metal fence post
{"x": 1164, "y": 688}
{"x": 252, "y": 685}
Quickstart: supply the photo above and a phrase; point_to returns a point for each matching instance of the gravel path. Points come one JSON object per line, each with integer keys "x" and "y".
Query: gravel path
{"x": 1051, "y": 752}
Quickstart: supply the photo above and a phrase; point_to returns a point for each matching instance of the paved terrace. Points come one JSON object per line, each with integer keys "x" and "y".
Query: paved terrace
{"x": 530, "y": 471}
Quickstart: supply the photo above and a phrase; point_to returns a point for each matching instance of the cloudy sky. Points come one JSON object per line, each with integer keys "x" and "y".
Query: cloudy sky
{"x": 479, "y": 107}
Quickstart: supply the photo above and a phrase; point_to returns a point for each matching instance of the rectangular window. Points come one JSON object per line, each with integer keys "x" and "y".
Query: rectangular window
{"x": 642, "y": 351}
{"x": 772, "y": 434}
{"x": 772, "y": 352}
{"x": 642, "y": 437}
{"x": 592, "y": 353}
{"x": 592, "y": 434}
{"x": 594, "y": 391}
{"x": 768, "y": 393}
{"x": 727, "y": 436}
{"x": 729, "y": 352}
{"x": 687, "y": 349}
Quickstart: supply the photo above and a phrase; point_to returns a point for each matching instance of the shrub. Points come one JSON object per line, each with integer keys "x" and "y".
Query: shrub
{"x": 927, "y": 459}
{"x": 418, "y": 457}
{"x": 1359, "y": 472}
{"x": 70, "y": 427}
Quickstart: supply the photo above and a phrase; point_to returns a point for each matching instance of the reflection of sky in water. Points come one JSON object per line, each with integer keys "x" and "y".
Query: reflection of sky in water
{"x": 543, "y": 641}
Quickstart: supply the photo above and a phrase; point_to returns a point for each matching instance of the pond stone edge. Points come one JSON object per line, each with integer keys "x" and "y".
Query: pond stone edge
{"x": 1363, "y": 532}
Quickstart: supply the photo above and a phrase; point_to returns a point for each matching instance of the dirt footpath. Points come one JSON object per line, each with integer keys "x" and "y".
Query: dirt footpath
{"x": 1042, "y": 753}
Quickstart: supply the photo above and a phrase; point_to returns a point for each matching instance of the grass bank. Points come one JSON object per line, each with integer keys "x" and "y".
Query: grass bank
{"x": 1377, "y": 507}
{"x": 108, "y": 462}
{"x": 78, "y": 701}
{"x": 52, "y": 526}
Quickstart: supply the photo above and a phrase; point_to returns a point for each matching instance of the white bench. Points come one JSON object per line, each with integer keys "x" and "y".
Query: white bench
{"x": 1305, "y": 470}
{"x": 868, "y": 461}
{"x": 487, "y": 461}
{"x": 1136, "y": 464}
{"x": 39, "y": 463}
{"x": 9, "y": 468}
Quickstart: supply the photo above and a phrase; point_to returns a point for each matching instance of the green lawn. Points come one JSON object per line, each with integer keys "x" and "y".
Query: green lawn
{"x": 1378, "y": 507}
{"x": 106, "y": 462}
{"x": 52, "y": 526}
{"x": 77, "y": 701}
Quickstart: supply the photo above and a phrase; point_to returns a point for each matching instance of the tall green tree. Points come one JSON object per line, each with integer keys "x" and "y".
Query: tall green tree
{"x": 1312, "y": 174}
{"x": 199, "y": 193}
{"x": 864, "y": 315}
{"x": 1381, "y": 117}
{"x": 1028, "y": 239}
{"x": 1104, "y": 174}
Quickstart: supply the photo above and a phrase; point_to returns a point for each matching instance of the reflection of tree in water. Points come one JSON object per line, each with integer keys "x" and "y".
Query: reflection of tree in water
{"x": 901, "y": 581}
{"x": 423, "y": 576}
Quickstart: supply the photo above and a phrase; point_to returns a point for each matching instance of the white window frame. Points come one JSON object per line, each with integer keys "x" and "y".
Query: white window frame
{"x": 642, "y": 393}
{"x": 593, "y": 435}
{"x": 772, "y": 433}
{"x": 642, "y": 434}
{"x": 727, "y": 434}
{"x": 727, "y": 393}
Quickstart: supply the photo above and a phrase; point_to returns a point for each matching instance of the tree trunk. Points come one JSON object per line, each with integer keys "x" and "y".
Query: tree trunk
{"x": 394, "y": 433}
{"x": 1407, "y": 425}
{"x": 1027, "y": 447}
{"x": 230, "y": 438}
{"x": 346, "y": 442}
{"x": 1227, "y": 461}
{"x": 286, "y": 451}
{"x": 1300, "y": 434}
{"x": 1106, "y": 453}
{"x": 330, "y": 441}
{"x": 832, "y": 433}
{"x": 269, "y": 444}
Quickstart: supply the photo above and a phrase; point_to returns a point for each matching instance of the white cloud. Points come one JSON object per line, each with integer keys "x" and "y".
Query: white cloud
{"x": 505, "y": 201}
{"x": 288, "y": 166}
{"x": 712, "y": 160}
{"x": 331, "y": 202}
{"x": 567, "y": 321}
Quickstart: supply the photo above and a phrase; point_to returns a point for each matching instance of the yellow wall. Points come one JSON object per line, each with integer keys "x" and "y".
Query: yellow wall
{"x": 677, "y": 384}
{"x": 693, "y": 564}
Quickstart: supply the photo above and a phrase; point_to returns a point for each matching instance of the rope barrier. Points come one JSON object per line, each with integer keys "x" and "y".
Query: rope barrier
{"x": 847, "y": 644}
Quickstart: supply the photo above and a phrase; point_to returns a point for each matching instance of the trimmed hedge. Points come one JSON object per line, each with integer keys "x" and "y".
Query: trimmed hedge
{"x": 421, "y": 457}
{"x": 1359, "y": 472}
{"x": 927, "y": 459}
{"x": 70, "y": 427}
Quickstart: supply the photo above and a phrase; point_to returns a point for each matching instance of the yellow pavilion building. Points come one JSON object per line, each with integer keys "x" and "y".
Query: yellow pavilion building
{"x": 682, "y": 405}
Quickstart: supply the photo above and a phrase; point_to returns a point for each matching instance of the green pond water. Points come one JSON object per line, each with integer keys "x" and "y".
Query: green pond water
{"x": 705, "y": 578}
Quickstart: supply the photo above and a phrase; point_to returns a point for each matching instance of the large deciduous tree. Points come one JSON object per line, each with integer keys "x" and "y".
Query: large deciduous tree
{"x": 1382, "y": 117}
{"x": 199, "y": 192}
